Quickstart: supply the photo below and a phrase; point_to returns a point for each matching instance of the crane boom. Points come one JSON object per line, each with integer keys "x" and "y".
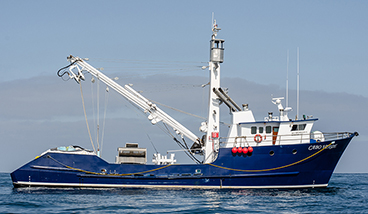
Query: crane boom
{"x": 155, "y": 114}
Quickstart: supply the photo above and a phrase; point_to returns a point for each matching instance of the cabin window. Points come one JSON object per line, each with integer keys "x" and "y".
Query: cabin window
{"x": 298, "y": 127}
{"x": 268, "y": 129}
{"x": 260, "y": 130}
{"x": 253, "y": 130}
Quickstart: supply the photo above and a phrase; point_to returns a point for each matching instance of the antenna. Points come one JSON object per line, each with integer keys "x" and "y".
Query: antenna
{"x": 297, "y": 84}
{"x": 98, "y": 118}
{"x": 213, "y": 17}
{"x": 287, "y": 79}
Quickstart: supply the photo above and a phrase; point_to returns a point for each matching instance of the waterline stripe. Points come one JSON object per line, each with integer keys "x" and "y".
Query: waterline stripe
{"x": 162, "y": 186}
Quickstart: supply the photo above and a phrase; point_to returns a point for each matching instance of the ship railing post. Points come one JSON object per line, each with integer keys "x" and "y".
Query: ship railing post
{"x": 279, "y": 140}
{"x": 301, "y": 138}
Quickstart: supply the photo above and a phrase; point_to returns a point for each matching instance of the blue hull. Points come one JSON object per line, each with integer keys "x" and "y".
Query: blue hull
{"x": 290, "y": 166}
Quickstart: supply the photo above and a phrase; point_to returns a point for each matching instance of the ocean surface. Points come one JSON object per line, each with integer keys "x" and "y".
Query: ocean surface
{"x": 346, "y": 193}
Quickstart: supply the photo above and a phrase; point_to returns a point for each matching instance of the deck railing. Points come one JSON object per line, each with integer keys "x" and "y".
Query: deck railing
{"x": 288, "y": 139}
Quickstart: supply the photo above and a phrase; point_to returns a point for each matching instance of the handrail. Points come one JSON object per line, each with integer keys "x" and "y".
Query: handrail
{"x": 300, "y": 137}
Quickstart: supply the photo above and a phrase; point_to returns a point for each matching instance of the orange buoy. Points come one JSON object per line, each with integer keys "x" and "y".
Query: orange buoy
{"x": 250, "y": 149}
{"x": 245, "y": 150}
{"x": 234, "y": 150}
{"x": 240, "y": 150}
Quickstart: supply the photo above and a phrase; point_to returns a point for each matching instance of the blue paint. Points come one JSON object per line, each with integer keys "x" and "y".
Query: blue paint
{"x": 228, "y": 170}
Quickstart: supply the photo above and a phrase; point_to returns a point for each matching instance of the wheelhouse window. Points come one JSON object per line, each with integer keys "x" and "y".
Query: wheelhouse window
{"x": 260, "y": 130}
{"x": 253, "y": 130}
{"x": 298, "y": 127}
{"x": 268, "y": 129}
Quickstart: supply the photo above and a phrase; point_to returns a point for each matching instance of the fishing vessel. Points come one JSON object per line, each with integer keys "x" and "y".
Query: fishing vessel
{"x": 275, "y": 152}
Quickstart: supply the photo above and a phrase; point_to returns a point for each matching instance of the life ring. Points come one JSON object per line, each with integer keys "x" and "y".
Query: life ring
{"x": 257, "y": 138}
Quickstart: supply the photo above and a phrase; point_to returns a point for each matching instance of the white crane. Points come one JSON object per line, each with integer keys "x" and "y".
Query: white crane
{"x": 155, "y": 114}
{"x": 210, "y": 144}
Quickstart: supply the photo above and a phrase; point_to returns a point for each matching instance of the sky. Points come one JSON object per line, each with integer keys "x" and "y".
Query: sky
{"x": 159, "y": 46}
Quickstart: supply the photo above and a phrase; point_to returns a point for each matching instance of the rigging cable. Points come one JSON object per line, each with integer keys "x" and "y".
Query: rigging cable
{"x": 156, "y": 67}
{"x": 85, "y": 116}
{"x": 190, "y": 155}
{"x": 167, "y": 131}
{"x": 65, "y": 72}
{"x": 93, "y": 107}
{"x": 184, "y": 147}
{"x": 136, "y": 109}
{"x": 175, "y": 109}
{"x": 152, "y": 144}
{"x": 104, "y": 119}
{"x": 187, "y": 113}
{"x": 98, "y": 116}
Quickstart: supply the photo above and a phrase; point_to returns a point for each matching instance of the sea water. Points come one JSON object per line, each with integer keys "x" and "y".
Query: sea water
{"x": 346, "y": 193}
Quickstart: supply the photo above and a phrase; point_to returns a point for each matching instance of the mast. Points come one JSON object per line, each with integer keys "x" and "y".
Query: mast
{"x": 213, "y": 121}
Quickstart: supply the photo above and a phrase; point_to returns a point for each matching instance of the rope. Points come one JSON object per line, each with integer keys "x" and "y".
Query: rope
{"x": 175, "y": 109}
{"x": 142, "y": 61}
{"x": 187, "y": 113}
{"x": 98, "y": 114}
{"x": 98, "y": 173}
{"x": 104, "y": 119}
{"x": 85, "y": 116}
{"x": 93, "y": 107}
{"x": 271, "y": 169}
{"x": 152, "y": 170}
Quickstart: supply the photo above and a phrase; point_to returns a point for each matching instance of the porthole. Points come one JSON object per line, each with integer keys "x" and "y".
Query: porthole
{"x": 272, "y": 153}
{"x": 294, "y": 151}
